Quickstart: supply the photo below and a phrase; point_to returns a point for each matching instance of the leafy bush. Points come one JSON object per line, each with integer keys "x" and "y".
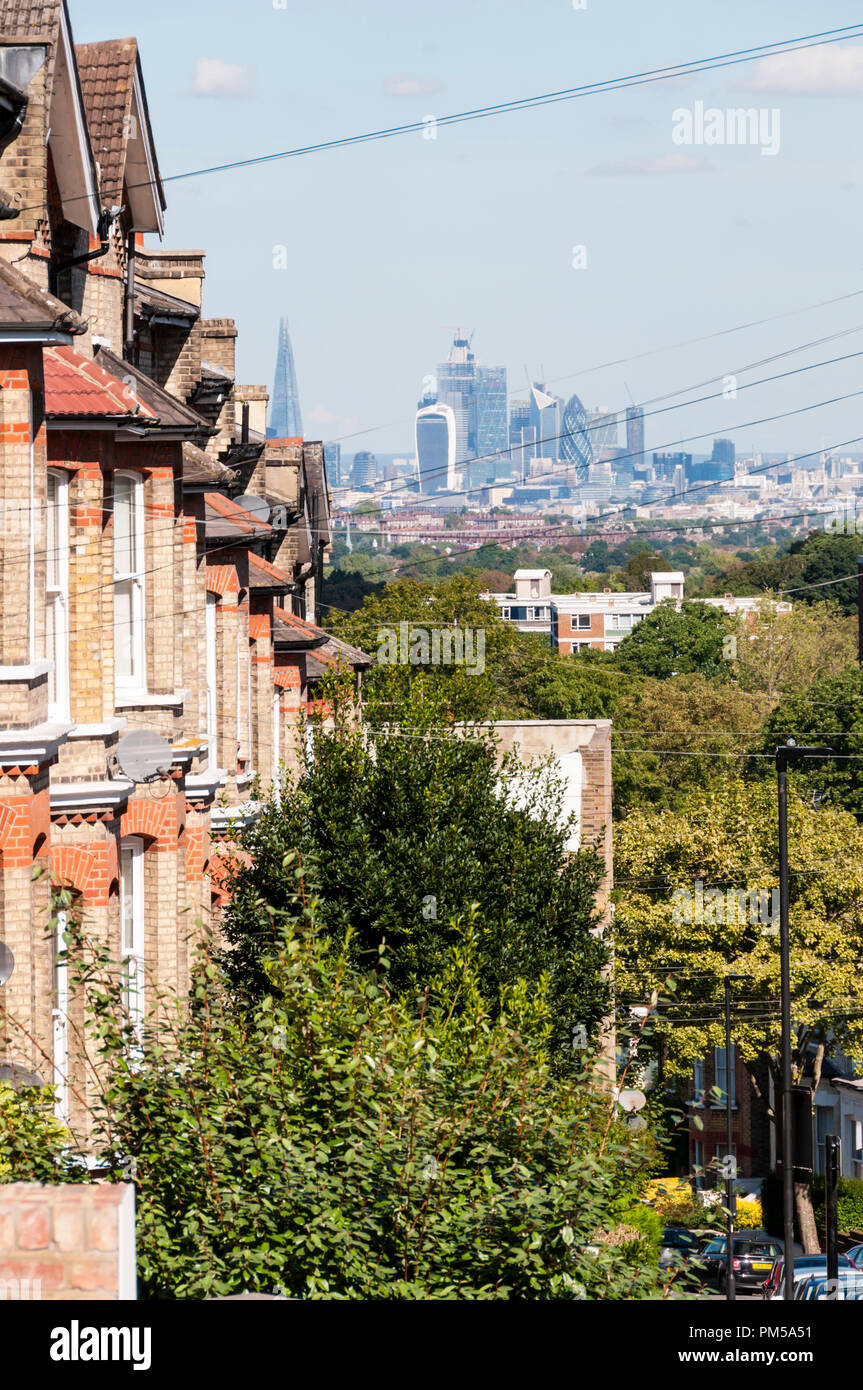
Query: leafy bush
{"x": 849, "y": 1204}
{"x": 749, "y": 1214}
{"x": 32, "y": 1141}
{"x": 339, "y": 1140}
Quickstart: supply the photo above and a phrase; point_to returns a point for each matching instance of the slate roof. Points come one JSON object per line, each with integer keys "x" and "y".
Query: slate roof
{"x": 224, "y": 520}
{"x": 25, "y": 305}
{"x": 335, "y": 652}
{"x": 263, "y": 575}
{"x": 291, "y": 631}
{"x": 329, "y": 651}
{"x": 153, "y": 303}
{"x": 76, "y": 385}
{"x": 172, "y": 413}
{"x": 199, "y": 467}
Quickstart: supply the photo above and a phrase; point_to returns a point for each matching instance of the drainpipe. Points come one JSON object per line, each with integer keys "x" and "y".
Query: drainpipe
{"x": 129, "y": 333}
{"x": 106, "y": 220}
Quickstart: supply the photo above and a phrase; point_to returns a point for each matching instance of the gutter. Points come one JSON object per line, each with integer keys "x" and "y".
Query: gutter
{"x": 106, "y": 221}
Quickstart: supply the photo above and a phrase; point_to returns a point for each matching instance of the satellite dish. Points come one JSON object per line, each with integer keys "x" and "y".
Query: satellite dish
{"x": 637, "y": 1123}
{"x": 144, "y": 754}
{"x": 632, "y": 1100}
{"x": 7, "y": 962}
{"x": 259, "y": 507}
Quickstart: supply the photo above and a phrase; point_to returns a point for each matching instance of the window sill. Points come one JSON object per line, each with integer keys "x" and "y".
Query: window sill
{"x": 142, "y": 699}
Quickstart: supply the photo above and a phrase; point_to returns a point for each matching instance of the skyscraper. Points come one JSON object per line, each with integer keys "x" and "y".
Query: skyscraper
{"x": 333, "y": 464}
{"x": 456, "y": 387}
{"x": 436, "y": 448}
{"x": 492, "y": 429}
{"x": 285, "y": 418}
{"x": 477, "y": 398}
{"x": 576, "y": 444}
{"x": 545, "y": 419}
{"x": 635, "y": 436}
{"x": 365, "y": 469}
{"x": 602, "y": 425}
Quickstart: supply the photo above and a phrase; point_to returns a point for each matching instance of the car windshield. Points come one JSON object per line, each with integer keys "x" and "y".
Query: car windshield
{"x": 757, "y": 1250}
{"x": 679, "y": 1238}
{"x": 713, "y": 1247}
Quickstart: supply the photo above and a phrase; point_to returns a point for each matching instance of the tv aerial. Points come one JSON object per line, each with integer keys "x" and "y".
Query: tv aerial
{"x": 144, "y": 756}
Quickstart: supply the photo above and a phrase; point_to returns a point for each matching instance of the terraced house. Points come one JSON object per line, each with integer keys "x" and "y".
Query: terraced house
{"x": 160, "y": 559}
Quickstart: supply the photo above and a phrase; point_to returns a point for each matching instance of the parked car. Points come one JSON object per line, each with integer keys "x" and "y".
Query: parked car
{"x": 754, "y": 1254}
{"x": 679, "y": 1246}
{"x": 805, "y": 1267}
{"x": 855, "y": 1255}
{"x": 818, "y": 1288}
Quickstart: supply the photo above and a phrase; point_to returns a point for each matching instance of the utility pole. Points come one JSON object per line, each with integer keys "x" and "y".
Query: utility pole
{"x": 786, "y": 753}
{"x": 831, "y": 1201}
{"x": 730, "y": 1161}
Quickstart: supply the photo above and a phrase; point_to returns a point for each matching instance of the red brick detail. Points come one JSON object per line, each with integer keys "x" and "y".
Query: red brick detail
{"x": 222, "y": 579}
{"x": 157, "y": 820}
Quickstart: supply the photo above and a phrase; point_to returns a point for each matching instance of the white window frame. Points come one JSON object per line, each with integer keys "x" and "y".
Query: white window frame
{"x": 132, "y": 925}
{"x": 855, "y": 1146}
{"x": 132, "y": 581}
{"x": 57, "y": 593}
{"x": 584, "y": 621}
{"x": 277, "y": 740}
{"x": 60, "y": 1022}
{"x": 729, "y": 1075}
{"x": 212, "y": 675}
{"x": 698, "y": 1081}
{"x": 698, "y": 1162}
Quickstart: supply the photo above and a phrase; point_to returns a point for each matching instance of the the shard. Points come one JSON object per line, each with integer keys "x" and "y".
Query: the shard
{"x": 285, "y": 418}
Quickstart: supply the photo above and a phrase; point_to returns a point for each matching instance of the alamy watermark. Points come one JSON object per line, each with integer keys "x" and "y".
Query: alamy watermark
{"x": 407, "y": 645}
{"x": 729, "y": 907}
{"x": 20, "y": 1290}
{"x": 845, "y": 519}
{"x": 735, "y": 126}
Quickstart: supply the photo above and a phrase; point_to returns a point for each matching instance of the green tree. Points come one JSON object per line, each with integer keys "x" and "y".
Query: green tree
{"x": 674, "y": 641}
{"x": 673, "y": 736}
{"x": 455, "y": 603}
{"x": 828, "y": 713}
{"x": 781, "y": 654}
{"x": 405, "y": 827}
{"x": 698, "y": 899}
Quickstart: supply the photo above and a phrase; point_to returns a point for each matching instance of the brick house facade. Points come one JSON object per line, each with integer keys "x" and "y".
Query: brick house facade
{"x": 160, "y": 559}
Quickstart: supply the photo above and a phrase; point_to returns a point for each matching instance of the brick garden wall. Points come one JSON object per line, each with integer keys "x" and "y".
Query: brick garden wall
{"x": 73, "y": 1241}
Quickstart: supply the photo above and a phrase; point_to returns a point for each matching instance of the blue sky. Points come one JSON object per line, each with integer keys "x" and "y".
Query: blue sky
{"x": 389, "y": 243}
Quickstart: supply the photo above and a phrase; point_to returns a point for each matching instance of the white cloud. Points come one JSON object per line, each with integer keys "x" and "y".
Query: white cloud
{"x": 412, "y": 86}
{"x": 215, "y": 78}
{"x": 814, "y": 72}
{"x": 320, "y": 415}
{"x": 667, "y": 164}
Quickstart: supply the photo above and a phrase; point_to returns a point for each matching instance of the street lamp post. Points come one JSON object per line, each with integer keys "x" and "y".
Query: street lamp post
{"x": 730, "y": 1164}
{"x": 785, "y": 753}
